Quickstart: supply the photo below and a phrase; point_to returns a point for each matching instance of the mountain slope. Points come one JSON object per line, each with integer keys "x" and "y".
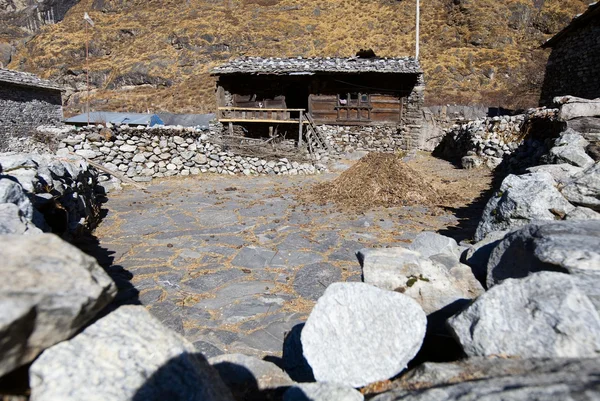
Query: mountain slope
{"x": 155, "y": 54}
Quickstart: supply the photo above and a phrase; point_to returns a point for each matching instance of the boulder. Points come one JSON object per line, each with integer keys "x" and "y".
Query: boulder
{"x": 564, "y": 246}
{"x": 12, "y": 192}
{"x": 359, "y": 334}
{"x": 570, "y": 137}
{"x": 322, "y": 392}
{"x": 429, "y": 243}
{"x": 478, "y": 255}
{"x": 562, "y": 173}
{"x": 584, "y": 188}
{"x": 571, "y": 154}
{"x": 500, "y": 380}
{"x": 471, "y": 162}
{"x": 127, "y": 355}
{"x": 432, "y": 374}
{"x": 435, "y": 283}
{"x": 521, "y": 200}
{"x": 573, "y": 107}
{"x": 12, "y": 221}
{"x": 545, "y": 315}
{"x": 582, "y": 213}
{"x": 61, "y": 287}
{"x": 247, "y": 376}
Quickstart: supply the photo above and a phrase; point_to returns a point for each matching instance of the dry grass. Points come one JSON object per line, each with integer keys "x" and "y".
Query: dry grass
{"x": 181, "y": 41}
{"x": 378, "y": 179}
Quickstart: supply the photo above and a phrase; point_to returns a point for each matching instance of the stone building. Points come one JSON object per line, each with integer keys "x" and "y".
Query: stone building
{"x": 573, "y": 66}
{"x": 27, "y": 101}
{"x": 260, "y": 93}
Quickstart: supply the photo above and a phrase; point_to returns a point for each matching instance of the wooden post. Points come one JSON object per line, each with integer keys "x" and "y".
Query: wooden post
{"x": 230, "y": 128}
{"x": 300, "y": 130}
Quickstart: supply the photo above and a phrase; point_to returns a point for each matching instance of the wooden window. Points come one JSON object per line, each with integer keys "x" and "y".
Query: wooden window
{"x": 353, "y": 106}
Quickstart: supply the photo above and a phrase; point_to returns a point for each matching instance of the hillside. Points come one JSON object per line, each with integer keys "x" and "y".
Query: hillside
{"x": 155, "y": 54}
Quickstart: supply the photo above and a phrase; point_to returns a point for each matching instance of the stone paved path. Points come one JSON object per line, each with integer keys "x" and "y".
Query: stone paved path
{"x": 233, "y": 263}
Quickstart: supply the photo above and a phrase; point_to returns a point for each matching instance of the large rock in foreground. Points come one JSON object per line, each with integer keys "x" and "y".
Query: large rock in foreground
{"x": 435, "y": 282}
{"x": 584, "y": 189}
{"x": 569, "y": 247}
{"x": 521, "y": 200}
{"x": 49, "y": 290}
{"x": 127, "y": 355}
{"x": 543, "y": 315}
{"x": 565, "y": 379}
{"x": 359, "y": 334}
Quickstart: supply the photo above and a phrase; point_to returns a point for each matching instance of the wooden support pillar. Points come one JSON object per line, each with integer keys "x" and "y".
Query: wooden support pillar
{"x": 230, "y": 128}
{"x": 300, "y": 130}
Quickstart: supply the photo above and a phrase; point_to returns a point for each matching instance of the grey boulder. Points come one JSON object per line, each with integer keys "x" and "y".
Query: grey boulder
{"x": 55, "y": 285}
{"x": 359, "y": 334}
{"x": 12, "y": 192}
{"x": 563, "y": 246}
{"x": 247, "y": 376}
{"x": 435, "y": 282}
{"x": 562, "y": 173}
{"x": 12, "y": 221}
{"x": 501, "y": 380}
{"x": 521, "y": 200}
{"x": 322, "y": 392}
{"x": 543, "y": 315}
{"x": 429, "y": 243}
{"x": 574, "y": 107}
{"x": 127, "y": 355}
{"x": 582, "y": 213}
{"x": 571, "y": 154}
{"x": 478, "y": 255}
{"x": 584, "y": 188}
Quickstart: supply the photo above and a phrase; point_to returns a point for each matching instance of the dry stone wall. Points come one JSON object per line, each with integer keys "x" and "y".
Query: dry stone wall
{"x": 492, "y": 140}
{"x": 23, "y": 109}
{"x": 43, "y": 192}
{"x": 144, "y": 153}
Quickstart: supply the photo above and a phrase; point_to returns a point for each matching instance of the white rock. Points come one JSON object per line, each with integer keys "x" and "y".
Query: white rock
{"x": 359, "y": 334}
{"x": 321, "y": 392}
{"x": 128, "y": 355}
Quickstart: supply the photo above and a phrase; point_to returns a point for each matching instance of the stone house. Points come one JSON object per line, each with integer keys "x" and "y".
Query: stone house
{"x": 27, "y": 101}
{"x": 259, "y": 93}
{"x": 573, "y": 66}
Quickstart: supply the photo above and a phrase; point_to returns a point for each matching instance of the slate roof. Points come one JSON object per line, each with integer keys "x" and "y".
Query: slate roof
{"x": 27, "y": 79}
{"x": 592, "y": 12}
{"x": 300, "y": 65}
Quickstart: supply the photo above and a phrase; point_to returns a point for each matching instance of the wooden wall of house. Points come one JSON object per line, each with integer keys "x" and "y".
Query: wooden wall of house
{"x": 370, "y": 98}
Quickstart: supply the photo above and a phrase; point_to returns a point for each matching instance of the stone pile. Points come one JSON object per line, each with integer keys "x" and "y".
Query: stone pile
{"x": 44, "y": 192}
{"x": 567, "y": 188}
{"x": 144, "y": 153}
{"x": 488, "y": 141}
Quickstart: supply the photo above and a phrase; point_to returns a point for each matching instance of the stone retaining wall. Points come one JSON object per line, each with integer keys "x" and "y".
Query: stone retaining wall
{"x": 48, "y": 193}
{"x": 490, "y": 141}
{"x": 144, "y": 153}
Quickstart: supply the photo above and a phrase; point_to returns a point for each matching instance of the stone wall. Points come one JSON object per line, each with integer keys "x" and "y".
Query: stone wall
{"x": 490, "y": 141}
{"x": 43, "y": 192}
{"x": 573, "y": 65}
{"x": 23, "y": 109}
{"x": 144, "y": 153}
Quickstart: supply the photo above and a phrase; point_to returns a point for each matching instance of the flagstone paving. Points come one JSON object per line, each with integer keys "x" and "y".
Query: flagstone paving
{"x": 233, "y": 263}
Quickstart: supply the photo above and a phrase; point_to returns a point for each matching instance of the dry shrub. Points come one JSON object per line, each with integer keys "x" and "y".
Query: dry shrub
{"x": 378, "y": 179}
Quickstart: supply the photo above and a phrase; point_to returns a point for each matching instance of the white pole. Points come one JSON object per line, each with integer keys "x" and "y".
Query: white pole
{"x": 418, "y": 27}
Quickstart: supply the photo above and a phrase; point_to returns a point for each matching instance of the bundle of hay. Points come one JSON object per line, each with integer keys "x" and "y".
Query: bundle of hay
{"x": 378, "y": 179}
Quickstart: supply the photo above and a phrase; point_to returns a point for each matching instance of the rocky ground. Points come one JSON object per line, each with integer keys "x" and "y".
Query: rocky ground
{"x": 233, "y": 263}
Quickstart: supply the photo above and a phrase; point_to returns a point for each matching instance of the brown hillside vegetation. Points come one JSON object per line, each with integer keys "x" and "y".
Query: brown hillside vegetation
{"x": 155, "y": 54}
